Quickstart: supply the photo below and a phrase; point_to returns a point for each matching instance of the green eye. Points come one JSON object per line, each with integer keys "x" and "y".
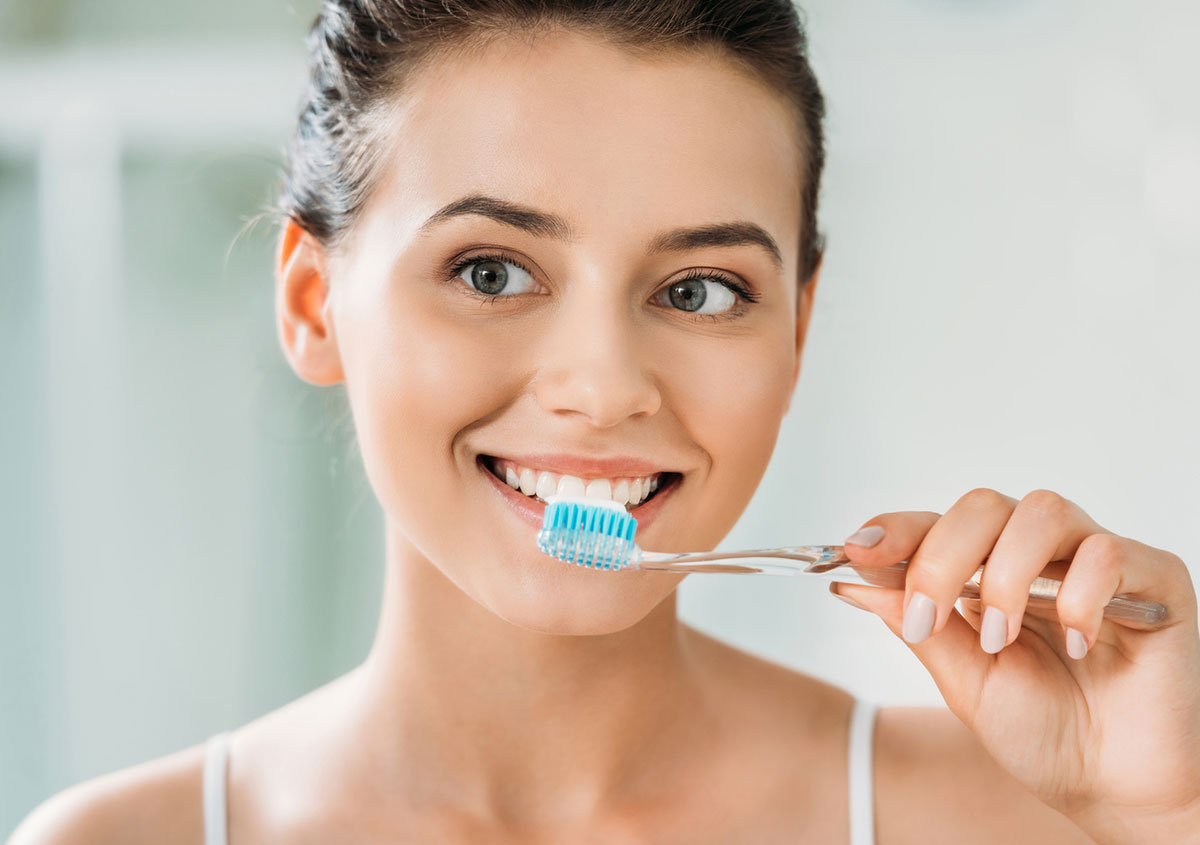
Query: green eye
{"x": 497, "y": 278}
{"x": 699, "y": 296}
{"x": 489, "y": 277}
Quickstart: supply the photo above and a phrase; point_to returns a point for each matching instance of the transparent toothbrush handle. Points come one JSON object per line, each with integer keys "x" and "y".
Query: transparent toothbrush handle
{"x": 831, "y": 563}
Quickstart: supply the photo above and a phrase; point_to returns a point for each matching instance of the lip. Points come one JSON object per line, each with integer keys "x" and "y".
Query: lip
{"x": 534, "y": 512}
{"x": 586, "y": 467}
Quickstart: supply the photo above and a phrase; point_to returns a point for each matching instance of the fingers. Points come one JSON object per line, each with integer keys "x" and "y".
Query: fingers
{"x": 1043, "y": 527}
{"x": 953, "y": 549}
{"x": 1044, "y": 534}
{"x": 1105, "y": 565}
{"x": 952, "y": 658}
{"x": 889, "y": 538}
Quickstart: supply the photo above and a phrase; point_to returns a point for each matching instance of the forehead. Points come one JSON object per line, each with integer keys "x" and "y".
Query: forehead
{"x": 613, "y": 141}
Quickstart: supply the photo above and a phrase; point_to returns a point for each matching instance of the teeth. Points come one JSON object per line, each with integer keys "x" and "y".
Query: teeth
{"x": 547, "y": 486}
{"x": 543, "y": 484}
{"x": 528, "y": 482}
{"x": 569, "y": 485}
{"x": 620, "y": 491}
{"x": 598, "y": 489}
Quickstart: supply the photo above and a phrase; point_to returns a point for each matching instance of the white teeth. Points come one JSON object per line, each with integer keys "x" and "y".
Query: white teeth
{"x": 546, "y": 485}
{"x": 528, "y": 482}
{"x": 598, "y": 489}
{"x": 620, "y": 492}
{"x": 624, "y": 491}
{"x": 569, "y": 485}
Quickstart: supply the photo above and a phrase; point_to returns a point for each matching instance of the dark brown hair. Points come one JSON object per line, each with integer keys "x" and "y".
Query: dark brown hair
{"x": 362, "y": 50}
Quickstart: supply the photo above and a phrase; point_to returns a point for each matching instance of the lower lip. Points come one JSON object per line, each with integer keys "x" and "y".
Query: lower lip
{"x": 534, "y": 512}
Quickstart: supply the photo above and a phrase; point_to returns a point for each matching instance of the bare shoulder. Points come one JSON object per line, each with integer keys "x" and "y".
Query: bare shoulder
{"x": 796, "y": 699}
{"x": 933, "y": 779}
{"x": 930, "y": 767}
{"x": 156, "y": 801}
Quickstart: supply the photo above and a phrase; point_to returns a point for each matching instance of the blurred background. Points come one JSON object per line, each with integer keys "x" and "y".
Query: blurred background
{"x": 1010, "y": 299}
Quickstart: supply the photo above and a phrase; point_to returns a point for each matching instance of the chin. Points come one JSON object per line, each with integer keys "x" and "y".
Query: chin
{"x": 574, "y": 601}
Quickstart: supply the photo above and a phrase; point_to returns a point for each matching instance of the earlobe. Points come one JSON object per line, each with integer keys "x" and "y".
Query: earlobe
{"x": 302, "y": 312}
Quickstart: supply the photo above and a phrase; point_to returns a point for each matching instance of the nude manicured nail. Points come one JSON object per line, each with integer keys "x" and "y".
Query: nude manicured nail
{"x": 1077, "y": 645}
{"x": 993, "y": 633}
{"x": 867, "y": 537}
{"x": 919, "y": 617}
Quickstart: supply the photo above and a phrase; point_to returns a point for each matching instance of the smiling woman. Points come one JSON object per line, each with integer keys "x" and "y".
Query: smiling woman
{"x": 567, "y": 322}
{"x": 571, "y": 247}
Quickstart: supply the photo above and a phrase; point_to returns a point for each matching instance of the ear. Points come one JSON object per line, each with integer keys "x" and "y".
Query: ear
{"x": 804, "y": 308}
{"x": 302, "y": 311}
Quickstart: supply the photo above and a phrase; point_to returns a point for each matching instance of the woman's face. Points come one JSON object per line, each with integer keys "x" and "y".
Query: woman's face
{"x": 553, "y": 276}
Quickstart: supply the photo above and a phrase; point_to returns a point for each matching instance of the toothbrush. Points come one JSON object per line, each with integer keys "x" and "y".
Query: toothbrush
{"x": 599, "y": 534}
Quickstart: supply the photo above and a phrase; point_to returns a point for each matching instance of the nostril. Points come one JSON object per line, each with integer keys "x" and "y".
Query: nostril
{"x": 603, "y": 400}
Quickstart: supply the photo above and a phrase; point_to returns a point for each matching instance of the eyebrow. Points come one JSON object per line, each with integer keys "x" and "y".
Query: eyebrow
{"x": 546, "y": 225}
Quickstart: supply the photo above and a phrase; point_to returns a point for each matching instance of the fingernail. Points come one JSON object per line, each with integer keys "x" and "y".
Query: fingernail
{"x": 919, "y": 617}
{"x": 847, "y": 600}
{"x": 993, "y": 633}
{"x": 867, "y": 537}
{"x": 1076, "y": 644}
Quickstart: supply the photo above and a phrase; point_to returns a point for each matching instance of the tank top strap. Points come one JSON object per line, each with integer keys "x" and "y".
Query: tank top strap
{"x": 862, "y": 799}
{"x": 216, "y": 763}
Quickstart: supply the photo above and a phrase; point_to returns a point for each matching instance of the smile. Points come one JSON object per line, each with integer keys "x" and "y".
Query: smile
{"x": 539, "y": 484}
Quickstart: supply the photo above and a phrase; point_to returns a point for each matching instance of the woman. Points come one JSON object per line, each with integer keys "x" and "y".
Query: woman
{"x": 548, "y": 239}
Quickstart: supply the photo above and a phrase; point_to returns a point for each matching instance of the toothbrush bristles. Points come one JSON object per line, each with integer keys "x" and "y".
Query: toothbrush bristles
{"x": 588, "y": 534}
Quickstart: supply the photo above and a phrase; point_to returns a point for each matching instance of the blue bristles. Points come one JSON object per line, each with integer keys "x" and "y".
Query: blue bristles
{"x": 588, "y": 532}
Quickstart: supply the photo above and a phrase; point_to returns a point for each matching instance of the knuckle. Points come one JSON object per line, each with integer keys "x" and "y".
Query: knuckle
{"x": 1046, "y": 503}
{"x": 984, "y": 498}
{"x": 1178, "y": 569}
{"x": 1001, "y": 587}
{"x": 927, "y": 568}
{"x": 1103, "y": 551}
{"x": 1073, "y": 610}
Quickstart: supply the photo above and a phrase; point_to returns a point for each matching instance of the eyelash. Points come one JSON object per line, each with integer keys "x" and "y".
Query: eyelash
{"x": 464, "y": 263}
{"x": 747, "y": 295}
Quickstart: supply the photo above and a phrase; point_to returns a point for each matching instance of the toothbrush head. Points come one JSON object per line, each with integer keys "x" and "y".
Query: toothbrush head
{"x": 596, "y": 533}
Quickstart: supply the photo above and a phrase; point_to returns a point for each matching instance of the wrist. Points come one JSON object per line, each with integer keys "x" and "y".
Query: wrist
{"x": 1137, "y": 826}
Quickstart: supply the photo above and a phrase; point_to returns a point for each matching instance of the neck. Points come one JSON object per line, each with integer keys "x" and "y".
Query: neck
{"x": 468, "y": 709}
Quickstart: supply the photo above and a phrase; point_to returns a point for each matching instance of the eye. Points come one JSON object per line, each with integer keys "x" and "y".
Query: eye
{"x": 699, "y": 295}
{"x": 493, "y": 277}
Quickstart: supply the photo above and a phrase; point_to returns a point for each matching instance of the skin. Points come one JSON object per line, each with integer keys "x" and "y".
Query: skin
{"x": 1110, "y": 738}
{"x": 510, "y": 697}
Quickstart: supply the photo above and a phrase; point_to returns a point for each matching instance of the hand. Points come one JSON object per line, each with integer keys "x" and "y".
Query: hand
{"x": 1110, "y": 737}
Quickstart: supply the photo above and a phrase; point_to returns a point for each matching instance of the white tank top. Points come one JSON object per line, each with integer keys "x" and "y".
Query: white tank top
{"x": 862, "y": 805}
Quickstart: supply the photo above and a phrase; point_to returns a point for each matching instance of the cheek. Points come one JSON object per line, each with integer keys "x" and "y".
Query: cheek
{"x": 416, "y": 380}
{"x": 734, "y": 413}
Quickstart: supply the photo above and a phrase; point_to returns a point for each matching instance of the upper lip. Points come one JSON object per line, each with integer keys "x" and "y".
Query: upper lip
{"x": 586, "y": 466}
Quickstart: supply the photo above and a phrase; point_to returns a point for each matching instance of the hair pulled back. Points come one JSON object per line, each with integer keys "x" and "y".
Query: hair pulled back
{"x": 361, "y": 52}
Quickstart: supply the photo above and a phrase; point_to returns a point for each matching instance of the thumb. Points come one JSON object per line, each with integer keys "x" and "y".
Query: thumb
{"x": 951, "y": 654}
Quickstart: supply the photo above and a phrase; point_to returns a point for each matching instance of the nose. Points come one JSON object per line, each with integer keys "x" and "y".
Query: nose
{"x": 594, "y": 366}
